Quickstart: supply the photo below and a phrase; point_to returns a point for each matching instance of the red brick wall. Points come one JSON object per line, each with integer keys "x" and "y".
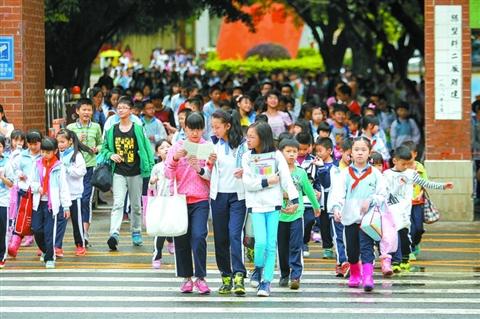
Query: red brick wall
{"x": 23, "y": 97}
{"x": 447, "y": 139}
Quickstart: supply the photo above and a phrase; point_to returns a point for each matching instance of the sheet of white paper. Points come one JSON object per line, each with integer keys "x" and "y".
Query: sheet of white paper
{"x": 201, "y": 151}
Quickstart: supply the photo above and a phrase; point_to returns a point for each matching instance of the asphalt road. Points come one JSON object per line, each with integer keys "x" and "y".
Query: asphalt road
{"x": 444, "y": 283}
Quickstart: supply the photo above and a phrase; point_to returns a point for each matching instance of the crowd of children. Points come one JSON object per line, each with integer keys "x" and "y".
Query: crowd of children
{"x": 295, "y": 173}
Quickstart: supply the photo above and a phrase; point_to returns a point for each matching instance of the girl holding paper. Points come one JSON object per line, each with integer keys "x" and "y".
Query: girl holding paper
{"x": 192, "y": 177}
{"x": 228, "y": 200}
{"x": 353, "y": 193}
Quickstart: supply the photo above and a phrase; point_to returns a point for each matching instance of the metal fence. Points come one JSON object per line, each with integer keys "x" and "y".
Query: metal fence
{"x": 56, "y": 108}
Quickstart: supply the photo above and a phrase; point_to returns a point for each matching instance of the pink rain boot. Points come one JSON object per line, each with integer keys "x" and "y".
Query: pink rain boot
{"x": 386, "y": 263}
{"x": 15, "y": 242}
{"x": 355, "y": 276}
{"x": 368, "y": 277}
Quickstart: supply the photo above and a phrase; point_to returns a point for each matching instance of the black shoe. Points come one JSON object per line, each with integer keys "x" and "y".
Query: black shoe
{"x": 112, "y": 243}
{"x": 283, "y": 282}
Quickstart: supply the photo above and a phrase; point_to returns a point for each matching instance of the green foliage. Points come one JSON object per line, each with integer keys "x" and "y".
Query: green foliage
{"x": 255, "y": 65}
{"x": 304, "y": 52}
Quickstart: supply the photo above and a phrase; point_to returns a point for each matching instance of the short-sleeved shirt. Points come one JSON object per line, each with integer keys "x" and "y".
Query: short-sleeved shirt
{"x": 279, "y": 123}
{"x": 126, "y": 146}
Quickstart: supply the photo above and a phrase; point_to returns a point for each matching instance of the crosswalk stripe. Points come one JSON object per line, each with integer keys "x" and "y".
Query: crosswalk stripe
{"x": 300, "y": 299}
{"x": 388, "y": 291}
{"x": 219, "y": 280}
{"x": 209, "y": 272}
{"x": 243, "y": 310}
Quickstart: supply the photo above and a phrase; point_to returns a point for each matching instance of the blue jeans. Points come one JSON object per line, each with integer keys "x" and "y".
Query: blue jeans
{"x": 228, "y": 215}
{"x": 265, "y": 229}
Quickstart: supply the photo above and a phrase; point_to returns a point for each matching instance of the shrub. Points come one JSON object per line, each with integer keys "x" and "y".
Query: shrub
{"x": 255, "y": 65}
{"x": 270, "y": 51}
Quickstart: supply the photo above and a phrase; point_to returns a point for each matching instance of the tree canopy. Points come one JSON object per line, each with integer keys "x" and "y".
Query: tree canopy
{"x": 75, "y": 30}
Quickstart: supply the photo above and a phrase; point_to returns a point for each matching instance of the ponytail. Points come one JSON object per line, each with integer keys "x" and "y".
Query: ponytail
{"x": 76, "y": 144}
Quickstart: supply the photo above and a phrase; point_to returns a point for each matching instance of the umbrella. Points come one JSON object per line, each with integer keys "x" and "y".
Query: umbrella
{"x": 110, "y": 54}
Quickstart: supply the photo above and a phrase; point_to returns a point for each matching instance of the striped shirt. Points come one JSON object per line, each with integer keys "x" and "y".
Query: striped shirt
{"x": 92, "y": 138}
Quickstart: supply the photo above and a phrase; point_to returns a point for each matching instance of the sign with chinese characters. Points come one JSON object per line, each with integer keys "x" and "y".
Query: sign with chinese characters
{"x": 448, "y": 62}
{"x": 7, "y": 71}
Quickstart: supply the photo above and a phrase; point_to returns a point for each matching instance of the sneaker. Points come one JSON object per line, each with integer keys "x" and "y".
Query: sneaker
{"x": 264, "y": 289}
{"x": 226, "y": 287}
{"x": 50, "y": 264}
{"x": 171, "y": 248}
{"x": 125, "y": 219}
{"x": 386, "y": 264}
{"x": 27, "y": 241}
{"x": 87, "y": 240}
{"x": 156, "y": 264}
{"x": 405, "y": 266}
{"x": 328, "y": 253}
{"x": 2, "y": 264}
{"x": 412, "y": 257}
{"x": 306, "y": 251}
{"x": 239, "y": 284}
{"x": 80, "y": 251}
{"x": 202, "y": 286}
{"x": 295, "y": 284}
{"x": 187, "y": 286}
{"x": 338, "y": 271}
{"x": 316, "y": 237}
{"x": 137, "y": 239}
{"x": 42, "y": 257}
{"x": 250, "y": 254}
{"x": 112, "y": 242}
{"x": 256, "y": 277}
{"x": 396, "y": 267}
{"x": 345, "y": 269}
{"x": 416, "y": 250}
{"x": 283, "y": 282}
{"x": 59, "y": 252}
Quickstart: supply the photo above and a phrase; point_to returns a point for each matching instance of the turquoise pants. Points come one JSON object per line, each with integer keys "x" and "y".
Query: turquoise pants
{"x": 265, "y": 228}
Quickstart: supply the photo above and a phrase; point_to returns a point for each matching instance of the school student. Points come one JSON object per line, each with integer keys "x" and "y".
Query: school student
{"x": 400, "y": 180}
{"x": 90, "y": 134}
{"x": 290, "y": 228}
{"x": 357, "y": 189}
{"x": 160, "y": 185}
{"x": 192, "y": 177}
{"x": 129, "y": 150}
{"x": 227, "y": 195}
{"x": 25, "y": 170}
{"x": 264, "y": 189}
{"x": 6, "y": 183}
{"x": 51, "y": 197}
{"x": 70, "y": 149}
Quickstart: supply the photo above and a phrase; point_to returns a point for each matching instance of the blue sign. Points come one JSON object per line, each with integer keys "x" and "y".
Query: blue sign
{"x": 7, "y": 71}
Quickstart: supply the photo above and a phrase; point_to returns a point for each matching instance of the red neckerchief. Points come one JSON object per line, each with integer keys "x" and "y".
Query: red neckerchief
{"x": 358, "y": 179}
{"x": 373, "y": 143}
{"x": 48, "y": 165}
